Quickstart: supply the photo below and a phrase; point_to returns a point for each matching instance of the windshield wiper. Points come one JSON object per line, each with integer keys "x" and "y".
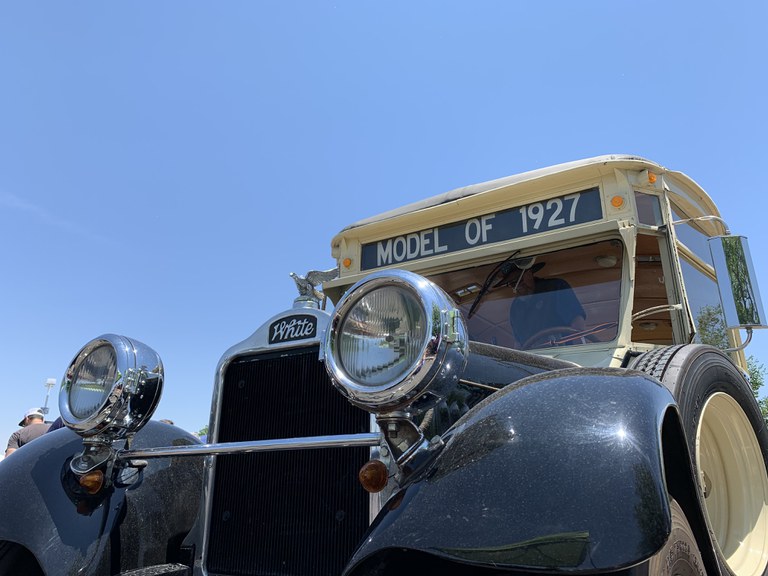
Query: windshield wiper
{"x": 503, "y": 269}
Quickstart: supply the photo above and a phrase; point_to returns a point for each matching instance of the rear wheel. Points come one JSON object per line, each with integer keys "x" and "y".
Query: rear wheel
{"x": 728, "y": 441}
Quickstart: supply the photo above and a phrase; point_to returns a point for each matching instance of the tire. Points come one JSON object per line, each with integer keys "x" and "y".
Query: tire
{"x": 680, "y": 555}
{"x": 728, "y": 443}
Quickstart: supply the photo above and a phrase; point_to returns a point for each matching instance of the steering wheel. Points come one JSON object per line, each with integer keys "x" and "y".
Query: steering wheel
{"x": 542, "y": 335}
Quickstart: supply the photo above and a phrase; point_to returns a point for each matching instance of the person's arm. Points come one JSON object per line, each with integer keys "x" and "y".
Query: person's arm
{"x": 13, "y": 444}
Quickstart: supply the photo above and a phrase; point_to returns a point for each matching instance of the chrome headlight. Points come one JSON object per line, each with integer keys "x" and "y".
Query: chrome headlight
{"x": 394, "y": 336}
{"x": 111, "y": 387}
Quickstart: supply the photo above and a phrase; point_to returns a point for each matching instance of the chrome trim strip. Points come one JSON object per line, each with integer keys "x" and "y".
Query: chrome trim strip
{"x": 306, "y": 443}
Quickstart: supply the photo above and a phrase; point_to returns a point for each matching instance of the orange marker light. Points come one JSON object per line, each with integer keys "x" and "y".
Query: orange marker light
{"x": 373, "y": 476}
{"x": 651, "y": 177}
{"x": 617, "y": 201}
{"x": 347, "y": 262}
{"x": 92, "y": 481}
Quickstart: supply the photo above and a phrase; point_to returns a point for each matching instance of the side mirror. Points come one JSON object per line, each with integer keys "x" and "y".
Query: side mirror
{"x": 737, "y": 283}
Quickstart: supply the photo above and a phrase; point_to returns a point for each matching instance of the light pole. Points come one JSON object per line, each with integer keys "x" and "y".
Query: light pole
{"x": 50, "y": 383}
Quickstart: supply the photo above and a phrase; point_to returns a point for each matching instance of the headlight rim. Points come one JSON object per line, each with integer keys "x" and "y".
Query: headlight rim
{"x": 139, "y": 374}
{"x": 435, "y": 348}
{"x": 338, "y": 321}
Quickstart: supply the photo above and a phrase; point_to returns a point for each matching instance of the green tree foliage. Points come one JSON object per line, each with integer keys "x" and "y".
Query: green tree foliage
{"x": 711, "y": 330}
{"x": 756, "y": 373}
{"x": 756, "y": 379}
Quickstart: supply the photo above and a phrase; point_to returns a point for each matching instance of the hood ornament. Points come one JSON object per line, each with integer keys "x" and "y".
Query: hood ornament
{"x": 309, "y": 295}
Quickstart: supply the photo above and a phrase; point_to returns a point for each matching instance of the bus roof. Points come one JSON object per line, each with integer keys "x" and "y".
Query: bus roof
{"x": 691, "y": 196}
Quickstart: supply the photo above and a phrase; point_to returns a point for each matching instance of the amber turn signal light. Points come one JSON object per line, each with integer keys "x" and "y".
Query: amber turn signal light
{"x": 373, "y": 476}
{"x": 92, "y": 481}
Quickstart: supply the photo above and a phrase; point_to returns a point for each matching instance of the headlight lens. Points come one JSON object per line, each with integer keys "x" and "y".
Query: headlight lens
{"x": 393, "y": 336}
{"x": 382, "y": 336}
{"x": 111, "y": 388}
{"x": 92, "y": 381}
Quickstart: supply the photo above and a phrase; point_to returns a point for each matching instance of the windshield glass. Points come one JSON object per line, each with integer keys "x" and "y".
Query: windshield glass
{"x": 567, "y": 297}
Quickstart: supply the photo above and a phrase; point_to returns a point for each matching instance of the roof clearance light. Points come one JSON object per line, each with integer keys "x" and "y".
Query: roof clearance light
{"x": 392, "y": 336}
{"x": 111, "y": 388}
{"x": 651, "y": 177}
{"x": 617, "y": 201}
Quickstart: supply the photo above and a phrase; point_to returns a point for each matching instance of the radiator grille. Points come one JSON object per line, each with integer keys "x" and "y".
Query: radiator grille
{"x": 299, "y": 513}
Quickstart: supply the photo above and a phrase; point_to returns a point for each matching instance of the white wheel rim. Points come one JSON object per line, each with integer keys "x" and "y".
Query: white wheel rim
{"x": 735, "y": 483}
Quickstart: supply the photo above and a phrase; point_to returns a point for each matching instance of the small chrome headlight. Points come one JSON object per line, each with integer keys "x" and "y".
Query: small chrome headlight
{"x": 393, "y": 336}
{"x": 111, "y": 387}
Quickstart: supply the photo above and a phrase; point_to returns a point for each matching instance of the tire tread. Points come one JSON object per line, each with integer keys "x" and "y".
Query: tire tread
{"x": 655, "y": 362}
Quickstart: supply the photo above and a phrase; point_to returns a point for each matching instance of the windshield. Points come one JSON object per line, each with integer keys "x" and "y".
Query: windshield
{"x": 567, "y": 297}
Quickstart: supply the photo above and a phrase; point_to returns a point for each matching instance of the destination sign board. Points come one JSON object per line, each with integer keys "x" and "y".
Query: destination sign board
{"x": 534, "y": 218}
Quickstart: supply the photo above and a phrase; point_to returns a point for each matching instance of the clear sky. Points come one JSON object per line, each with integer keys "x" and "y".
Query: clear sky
{"x": 165, "y": 165}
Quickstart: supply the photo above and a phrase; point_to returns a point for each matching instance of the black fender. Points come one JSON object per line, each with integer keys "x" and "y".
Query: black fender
{"x": 561, "y": 471}
{"x": 139, "y": 522}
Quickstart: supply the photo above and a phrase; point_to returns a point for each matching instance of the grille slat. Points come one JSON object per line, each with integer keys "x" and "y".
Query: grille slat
{"x": 298, "y": 513}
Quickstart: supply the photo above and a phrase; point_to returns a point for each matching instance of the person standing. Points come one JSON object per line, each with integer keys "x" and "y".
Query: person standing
{"x": 32, "y": 425}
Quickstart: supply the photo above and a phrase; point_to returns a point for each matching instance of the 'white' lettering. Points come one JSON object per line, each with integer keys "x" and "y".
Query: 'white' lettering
{"x": 293, "y": 330}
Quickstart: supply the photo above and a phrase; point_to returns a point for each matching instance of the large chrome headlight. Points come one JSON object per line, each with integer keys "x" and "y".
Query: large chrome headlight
{"x": 394, "y": 337}
{"x": 111, "y": 387}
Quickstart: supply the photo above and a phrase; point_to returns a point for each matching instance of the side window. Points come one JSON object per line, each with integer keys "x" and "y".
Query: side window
{"x": 651, "y": 323}
{"x": 705, "y": 307}
{"x": 648, "y": 209}
{"x": 700, "y": 285}
{"x": 692, "y": 237}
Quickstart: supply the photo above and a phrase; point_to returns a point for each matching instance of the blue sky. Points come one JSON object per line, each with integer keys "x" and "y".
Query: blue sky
{"x": 165, "y": 165}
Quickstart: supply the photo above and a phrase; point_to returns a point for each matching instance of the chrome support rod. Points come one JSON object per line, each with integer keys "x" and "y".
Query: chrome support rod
{"x": 312, "y": 442}
{"x": 744, "y": 344}
{"x": 703, "y": 219}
